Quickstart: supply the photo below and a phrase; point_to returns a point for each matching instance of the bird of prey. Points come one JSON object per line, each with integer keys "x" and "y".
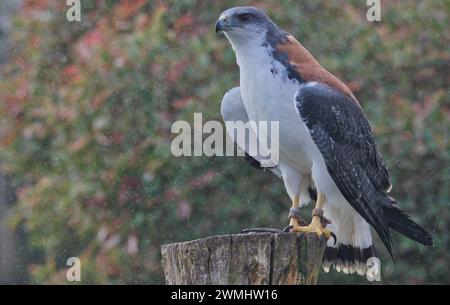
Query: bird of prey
{"x": 327, "y": 151}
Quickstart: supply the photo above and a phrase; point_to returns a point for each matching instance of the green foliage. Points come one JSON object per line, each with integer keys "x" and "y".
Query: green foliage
{"x": 86, "y": 110}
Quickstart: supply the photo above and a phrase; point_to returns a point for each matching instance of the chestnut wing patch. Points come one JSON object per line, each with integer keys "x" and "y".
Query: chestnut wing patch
{"x": 303, "y": 66}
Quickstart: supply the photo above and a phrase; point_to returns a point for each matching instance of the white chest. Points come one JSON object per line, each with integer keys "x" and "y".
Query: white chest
{"x": 268, "y": 95}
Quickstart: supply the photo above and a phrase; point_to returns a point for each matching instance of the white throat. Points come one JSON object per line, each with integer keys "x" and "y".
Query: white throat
{"x": 249, "y": 50}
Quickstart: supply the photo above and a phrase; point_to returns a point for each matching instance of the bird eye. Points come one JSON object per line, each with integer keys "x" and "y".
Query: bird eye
{"x": 244, "y": 17}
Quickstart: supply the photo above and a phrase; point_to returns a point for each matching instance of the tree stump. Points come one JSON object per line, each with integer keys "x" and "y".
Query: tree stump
{"x": 245, "y": 259}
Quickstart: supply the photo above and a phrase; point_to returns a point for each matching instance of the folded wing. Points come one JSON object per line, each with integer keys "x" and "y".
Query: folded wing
{"x": 343, "y": 136}
{"x": 233, "y": 110}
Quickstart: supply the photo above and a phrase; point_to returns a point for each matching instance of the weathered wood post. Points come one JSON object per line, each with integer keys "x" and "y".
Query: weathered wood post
{"x": 245, "y": 259}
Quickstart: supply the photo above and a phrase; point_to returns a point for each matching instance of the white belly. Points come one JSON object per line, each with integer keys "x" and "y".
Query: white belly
{"x": 270, "y": 97}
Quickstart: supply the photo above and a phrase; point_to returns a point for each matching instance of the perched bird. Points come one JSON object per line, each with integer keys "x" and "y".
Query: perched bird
{"x": 326, "y": 146}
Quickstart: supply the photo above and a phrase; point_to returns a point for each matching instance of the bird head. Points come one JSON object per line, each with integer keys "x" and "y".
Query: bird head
{"x": 243, "y": 24}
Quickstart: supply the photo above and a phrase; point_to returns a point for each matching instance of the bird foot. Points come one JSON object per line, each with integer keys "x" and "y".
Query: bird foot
{"x": 318, "y": 229}
{"x": 317, "y": 226}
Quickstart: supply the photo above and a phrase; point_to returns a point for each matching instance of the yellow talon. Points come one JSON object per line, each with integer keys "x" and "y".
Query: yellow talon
{"x": 294, "y": 222}
{"x": 314, "y": 227}
{"x": 318, "y": 222}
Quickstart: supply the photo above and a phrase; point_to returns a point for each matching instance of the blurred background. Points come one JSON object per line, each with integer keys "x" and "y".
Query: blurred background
{"x": 86, "y": 110}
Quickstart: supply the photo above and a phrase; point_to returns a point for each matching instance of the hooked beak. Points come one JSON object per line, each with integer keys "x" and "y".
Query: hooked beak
{"x": 220, "y": 26}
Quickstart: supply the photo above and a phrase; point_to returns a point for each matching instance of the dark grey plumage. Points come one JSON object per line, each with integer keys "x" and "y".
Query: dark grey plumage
{"x": 343, "y": 135}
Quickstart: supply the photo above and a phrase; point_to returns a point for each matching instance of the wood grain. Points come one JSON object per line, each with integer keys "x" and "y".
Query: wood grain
{"x": 245, "y": 259}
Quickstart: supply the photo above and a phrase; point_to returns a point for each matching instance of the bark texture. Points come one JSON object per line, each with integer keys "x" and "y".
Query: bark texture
{"x": 245, "y": 259}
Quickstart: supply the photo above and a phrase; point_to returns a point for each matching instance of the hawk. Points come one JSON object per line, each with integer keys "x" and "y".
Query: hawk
{"x": 327, "y": 151}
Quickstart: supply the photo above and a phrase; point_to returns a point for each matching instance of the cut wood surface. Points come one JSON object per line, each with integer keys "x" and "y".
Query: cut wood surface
{"x": 245, "y": 259}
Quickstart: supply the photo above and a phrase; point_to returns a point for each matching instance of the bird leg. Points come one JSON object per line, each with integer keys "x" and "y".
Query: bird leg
{"x": 295, "y": 219}
{"x": 318, "y": 222}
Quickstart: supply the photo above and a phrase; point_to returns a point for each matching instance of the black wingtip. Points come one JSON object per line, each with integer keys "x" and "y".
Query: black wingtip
{"x": 399, "y": 221}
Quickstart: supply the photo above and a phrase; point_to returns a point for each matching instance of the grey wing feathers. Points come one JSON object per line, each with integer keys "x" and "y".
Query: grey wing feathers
{"x": 233, "y": 110}
{"x": 343, "y": 136}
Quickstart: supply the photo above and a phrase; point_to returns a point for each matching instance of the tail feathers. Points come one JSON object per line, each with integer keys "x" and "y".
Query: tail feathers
{"x": 347, "y": 259}
{"x": 399, "y": 221}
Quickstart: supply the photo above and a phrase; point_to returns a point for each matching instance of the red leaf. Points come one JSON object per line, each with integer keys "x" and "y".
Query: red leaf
{"x": 177, "y": 70}
{"x": 127, "y": 8}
